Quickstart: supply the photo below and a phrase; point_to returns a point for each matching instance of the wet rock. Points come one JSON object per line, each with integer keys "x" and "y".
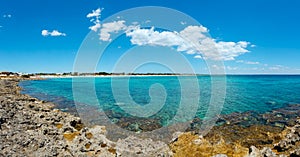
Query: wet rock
{"x": 29, "y": 127}
{"x": 139, "y": 124}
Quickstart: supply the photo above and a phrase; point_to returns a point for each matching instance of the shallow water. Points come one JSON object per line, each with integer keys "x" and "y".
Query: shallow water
{"x": 260, "y": 93}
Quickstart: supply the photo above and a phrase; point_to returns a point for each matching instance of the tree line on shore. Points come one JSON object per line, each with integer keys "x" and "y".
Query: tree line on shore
{"x": 14, "y": 74}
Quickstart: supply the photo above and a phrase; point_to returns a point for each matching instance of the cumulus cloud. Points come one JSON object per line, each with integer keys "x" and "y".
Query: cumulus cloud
{"x": 95, "y": 18}
{"x": 151, "y": 37}
{"x": 52, "y": 33}
{"x": 94, "y": 13}
{"x": 230, "y": 50}
{"x": 111, "y": 27}
{"x": 193, "y": 40}
{"x": 95, "y": 27}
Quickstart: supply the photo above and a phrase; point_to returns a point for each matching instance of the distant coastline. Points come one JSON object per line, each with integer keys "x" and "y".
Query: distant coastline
{"x": 4, "y": 75}
{"x": 279, "y": 136}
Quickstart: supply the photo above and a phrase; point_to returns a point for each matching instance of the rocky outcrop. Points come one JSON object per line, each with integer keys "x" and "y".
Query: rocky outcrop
{"x": 265, "y": 152}
{"x": 288, "y": 146}
{"x": 189, "y": 144}
{"x": 291, "y": 143}
{"x": 29, "y": 127}
{"x": 33, "y": 128}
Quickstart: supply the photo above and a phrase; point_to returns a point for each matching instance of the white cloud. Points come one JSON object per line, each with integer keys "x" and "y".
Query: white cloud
{"x": 231, "y": 68}
{"x": 274, "y": 68}
{"x": 111, "y": 27}
{"x": 95, "y": 13}
{"x": 151, "y": 37}
{"x": 193, "y": 40}
{"x": 53, "y": 33}
{"x": 229, "y": 50}
{"x": 247, "y": 62}
{"x": 253, "y": 63}
{"x": 198, "y": 57}
{"x": 45, "y": 33}
{"x": 57, "y": 33}
{"x": 166, "y": 38}
{"x": 135, "y": 23}
{"x": 278, "y": 67}
{"x": 217, "y": 67}
{"x": 95, "y": 18}
{"x": 95, "y": 27}
{"x": 183, "y": 23}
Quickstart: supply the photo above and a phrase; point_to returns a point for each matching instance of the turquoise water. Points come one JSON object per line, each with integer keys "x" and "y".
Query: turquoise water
{"x": 261, "y": 93}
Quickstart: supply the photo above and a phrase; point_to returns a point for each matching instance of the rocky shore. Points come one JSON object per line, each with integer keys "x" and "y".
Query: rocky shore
{"x": 30, "y": 127}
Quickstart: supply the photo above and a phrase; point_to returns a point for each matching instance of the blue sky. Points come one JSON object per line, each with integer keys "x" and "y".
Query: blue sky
{"x": 270, "y": 27}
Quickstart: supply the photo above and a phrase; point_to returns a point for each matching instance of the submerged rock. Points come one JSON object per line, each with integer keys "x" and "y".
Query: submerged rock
{"x": 138, "y": 124}
{"x": 29, "y": 127}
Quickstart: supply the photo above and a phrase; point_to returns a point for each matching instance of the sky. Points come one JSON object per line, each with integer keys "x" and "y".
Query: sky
{"x": 248, "y": 37}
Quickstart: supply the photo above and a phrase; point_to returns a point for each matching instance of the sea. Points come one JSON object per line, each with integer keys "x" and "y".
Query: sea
{"x": 164, "y": 97}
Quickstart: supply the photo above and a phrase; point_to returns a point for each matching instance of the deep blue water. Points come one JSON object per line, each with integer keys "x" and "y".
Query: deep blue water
{"x": 261, "y": 93}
